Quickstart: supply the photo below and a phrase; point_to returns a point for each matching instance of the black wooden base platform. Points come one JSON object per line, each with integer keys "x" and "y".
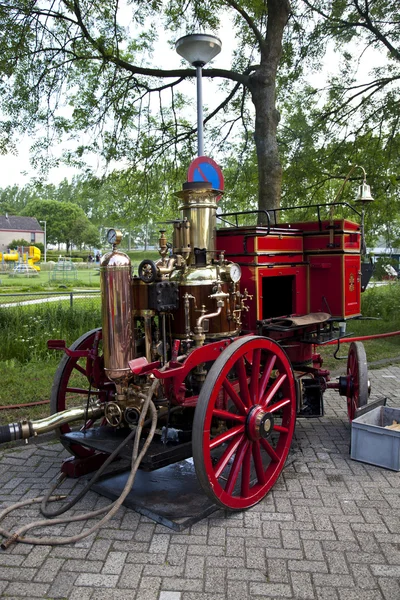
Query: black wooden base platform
{"x": 171, "y": 496}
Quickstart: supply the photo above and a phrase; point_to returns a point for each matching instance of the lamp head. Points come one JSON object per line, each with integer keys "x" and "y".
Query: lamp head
{"x": 198, "y": 48}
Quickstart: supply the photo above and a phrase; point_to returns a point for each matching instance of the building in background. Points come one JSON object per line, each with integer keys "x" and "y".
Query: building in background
{"x": 19, "y": 228}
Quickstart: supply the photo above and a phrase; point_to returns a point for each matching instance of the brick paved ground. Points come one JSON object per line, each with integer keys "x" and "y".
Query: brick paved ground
{"x": 329, "y": 530}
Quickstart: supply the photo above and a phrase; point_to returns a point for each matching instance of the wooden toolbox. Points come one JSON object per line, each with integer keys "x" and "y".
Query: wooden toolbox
{"x": 335, "y": 284}
{"x": 341, "y": 235}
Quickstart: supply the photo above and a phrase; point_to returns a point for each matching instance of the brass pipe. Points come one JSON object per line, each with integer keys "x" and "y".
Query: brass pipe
{"x": 147, "y": 337}
{"x": 26, "y": 429}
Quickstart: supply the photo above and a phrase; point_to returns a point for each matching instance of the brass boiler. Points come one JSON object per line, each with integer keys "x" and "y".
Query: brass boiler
{"x": 117, "y": 306}
{"x": 194, "y": 239}
{"x": 195, "y": 287}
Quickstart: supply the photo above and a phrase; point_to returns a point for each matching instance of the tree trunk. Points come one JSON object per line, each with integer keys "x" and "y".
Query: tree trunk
{"x": 262, "y": 86}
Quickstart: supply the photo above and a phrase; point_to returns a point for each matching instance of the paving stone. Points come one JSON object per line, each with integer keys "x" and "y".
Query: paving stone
{"x": 194, "y": 565}
{"x": 390, "y": 588}
{"x": 237, "y": 590}
{"x": 97, "y": 580}
{"x": 216, "y": 536}
{"x": 17, "y": 574}
{"x": 62, "y": 585}
{"x": 49, "y": 570}
{"x": 327, "y": 593}
{"x": 277, "y": 570}
{"x": 386, "y": 570}
{"x": 83, "y": 566}
{"x": 358, "y": 594}
{"x": 302, "y": 585}
{"x": 108, "y": 594}
{"x": 28, "y": 590}
{"x": 333, "y": 580}
{"x": 159, "y": 543}
{"x": 130, "y": 576}
{"x": 336, "y": 562}
{"x": 271, "y": 590}
{"x": 183, "y": 584}
{"x": 176, "y": 554}
{"x": 114, "y": 563}
{"x": 215, "y": 581}
{"x": 170, "y": 596}
{"x": 81, "y": 593}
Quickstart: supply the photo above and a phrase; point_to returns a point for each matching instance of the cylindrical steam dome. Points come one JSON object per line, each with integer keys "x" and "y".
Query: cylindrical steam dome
{"x": 199, "y": 208}
{"x": 116, "y": 293}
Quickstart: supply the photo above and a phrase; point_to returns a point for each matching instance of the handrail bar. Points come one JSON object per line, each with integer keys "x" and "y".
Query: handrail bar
{"x": 276, "y": 210}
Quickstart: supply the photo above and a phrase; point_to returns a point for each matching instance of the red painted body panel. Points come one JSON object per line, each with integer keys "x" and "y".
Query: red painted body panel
{"x": 297, "y": 268}
{"x": 335, "y": 284}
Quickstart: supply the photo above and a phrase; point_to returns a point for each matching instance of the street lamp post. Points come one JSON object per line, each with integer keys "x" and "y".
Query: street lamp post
{"x": 198, "y": 49}
{"x": 45, "y": 239}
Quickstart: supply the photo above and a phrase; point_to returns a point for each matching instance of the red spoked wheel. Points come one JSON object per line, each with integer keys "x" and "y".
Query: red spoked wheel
{"x": 72, "y": 386}
{"x": 358, "y": 387}
{"x": 244, "y": 422}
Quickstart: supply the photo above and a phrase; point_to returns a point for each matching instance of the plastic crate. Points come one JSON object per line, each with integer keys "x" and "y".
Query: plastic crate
{"x": 372, "y": 443}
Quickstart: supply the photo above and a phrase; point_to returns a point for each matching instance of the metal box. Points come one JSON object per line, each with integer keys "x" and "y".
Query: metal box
{"x": 372, "y": 443}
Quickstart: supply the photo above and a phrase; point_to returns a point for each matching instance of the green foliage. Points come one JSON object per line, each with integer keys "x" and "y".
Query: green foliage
{"x": 24, "y": 330}
{"x": 66, "y": 222}
{"x": 382, "y": 301}
{"x": 14, "y": 244}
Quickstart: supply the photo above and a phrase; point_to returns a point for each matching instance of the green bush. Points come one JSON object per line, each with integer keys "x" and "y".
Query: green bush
{"x": 24, "y": 330}
{"x": 382, "y": 302}
{"x": 76, "y": 260}
{"x": 18, "y": 243}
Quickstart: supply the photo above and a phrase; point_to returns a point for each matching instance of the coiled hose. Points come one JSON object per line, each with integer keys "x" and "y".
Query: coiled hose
{"x": 18, "y": 536}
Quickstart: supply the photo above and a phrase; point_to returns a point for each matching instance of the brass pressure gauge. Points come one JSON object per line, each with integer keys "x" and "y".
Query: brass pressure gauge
{"x": 114, "y": 236}
{"x": 235, "y": 272}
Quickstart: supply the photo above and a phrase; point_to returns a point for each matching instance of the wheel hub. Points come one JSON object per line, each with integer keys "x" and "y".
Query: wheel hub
{"x": 259, "y": 423}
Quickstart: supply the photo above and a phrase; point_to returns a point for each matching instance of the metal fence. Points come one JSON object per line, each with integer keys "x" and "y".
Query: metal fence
{"x": 28, "y": 298}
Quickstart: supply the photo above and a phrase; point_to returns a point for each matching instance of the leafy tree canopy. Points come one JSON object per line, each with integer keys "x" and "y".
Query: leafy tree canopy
{"x": 66, "y": 222}
{"x": 77, "y": 66}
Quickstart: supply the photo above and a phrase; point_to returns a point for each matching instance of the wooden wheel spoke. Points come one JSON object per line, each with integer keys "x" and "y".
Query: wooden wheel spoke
{"x": 226, "y": 436}
{"x": 246, "y": 472}
{"x": 278, "y": 405}
{"x": 235, "y": 469}
{"x": 81, "y": 391}
{"x": 273, "y": 389}
{"x": 269, "y": 449}
{"x": 228, "y": 416}
{"x": 266, "y": 375}
{"x": 227, "y": 455}
{"x": 258, "y": 463}
{"x": 79, "y": 368}
{"x": 243, "y": 382}
{"x": 255, "y": 375}
{"x": 280, "y": 429}
{"x": 234, "y": 396}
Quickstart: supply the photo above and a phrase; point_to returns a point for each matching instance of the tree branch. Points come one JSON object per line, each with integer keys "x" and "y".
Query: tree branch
{"x": 249, "y": 21}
